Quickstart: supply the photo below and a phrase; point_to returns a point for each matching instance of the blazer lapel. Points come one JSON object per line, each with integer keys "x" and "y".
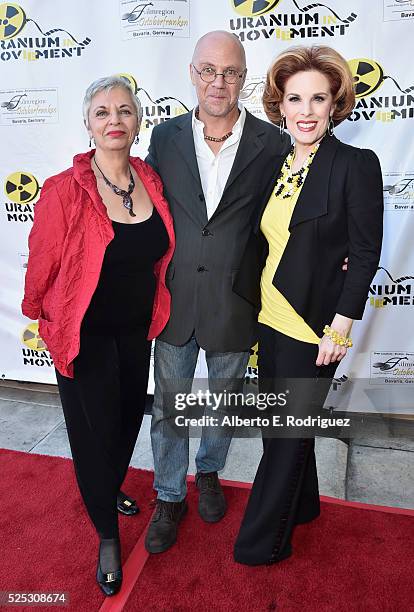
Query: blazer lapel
{"x": 250, "y": 146}
{"x": 313, "y": 198}
{"x": 184, "y": 142}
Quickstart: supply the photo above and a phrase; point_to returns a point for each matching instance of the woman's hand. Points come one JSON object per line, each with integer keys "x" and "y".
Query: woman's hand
{"x": 329, "y": 351}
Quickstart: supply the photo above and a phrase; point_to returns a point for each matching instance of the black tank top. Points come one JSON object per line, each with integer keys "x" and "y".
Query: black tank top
{"x": 125, "y": 293}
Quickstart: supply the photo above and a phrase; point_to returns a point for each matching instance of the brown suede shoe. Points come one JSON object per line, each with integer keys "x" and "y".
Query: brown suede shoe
{"x": 163, "y": 528}
{"x": 211, "y": 502}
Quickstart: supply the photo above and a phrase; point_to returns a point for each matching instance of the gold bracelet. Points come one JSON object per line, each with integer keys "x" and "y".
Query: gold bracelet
{"x": 337, "y": 337}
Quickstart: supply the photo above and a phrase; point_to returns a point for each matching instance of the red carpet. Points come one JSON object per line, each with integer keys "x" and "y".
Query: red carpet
{"x": 47, "y": 541}
{"x": 350, "y": 559}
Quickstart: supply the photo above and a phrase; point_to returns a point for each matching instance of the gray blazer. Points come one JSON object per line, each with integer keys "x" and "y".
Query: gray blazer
{"x": 208, "y": 253}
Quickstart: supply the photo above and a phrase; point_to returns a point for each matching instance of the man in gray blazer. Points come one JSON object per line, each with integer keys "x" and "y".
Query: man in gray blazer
{"x": 216, "y": 163}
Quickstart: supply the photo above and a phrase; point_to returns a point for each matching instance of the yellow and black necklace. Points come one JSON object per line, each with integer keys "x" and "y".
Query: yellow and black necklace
{"x": 289, "y": 182}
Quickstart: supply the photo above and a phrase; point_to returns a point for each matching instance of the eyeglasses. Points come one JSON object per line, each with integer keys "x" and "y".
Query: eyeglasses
{"x": 209, "y": 74}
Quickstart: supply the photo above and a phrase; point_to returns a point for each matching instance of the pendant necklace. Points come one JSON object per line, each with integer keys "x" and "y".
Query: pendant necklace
{"x": 126, "y": 195}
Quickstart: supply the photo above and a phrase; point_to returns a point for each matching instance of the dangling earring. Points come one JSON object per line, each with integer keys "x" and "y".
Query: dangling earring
{"x": 331, "y": 126}
{"x": 282, "y": 124}
{"x": 136, "y": 139}
{"x": 91, "y": 140}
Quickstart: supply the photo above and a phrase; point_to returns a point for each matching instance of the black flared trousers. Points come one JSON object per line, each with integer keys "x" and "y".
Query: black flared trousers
{"x": 103, "y": 406}
{"x": 285, "y": 490}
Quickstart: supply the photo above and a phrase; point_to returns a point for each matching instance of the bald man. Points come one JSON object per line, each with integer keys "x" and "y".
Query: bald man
{"x": 216, "y": 163}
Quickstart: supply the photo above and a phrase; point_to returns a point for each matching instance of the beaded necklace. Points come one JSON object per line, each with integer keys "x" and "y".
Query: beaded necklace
{"x": 289, "y": 182}
{"x": 214, "y": 138}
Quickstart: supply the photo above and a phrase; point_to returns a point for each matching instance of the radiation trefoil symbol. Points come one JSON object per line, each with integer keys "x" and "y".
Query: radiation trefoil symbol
{"x": 31, "y": 338}
{"x": 12, "y": 20}
{"x": 253, "y": 8}
{"x": 21, "y": 187}
{"x": 369, "y": 76}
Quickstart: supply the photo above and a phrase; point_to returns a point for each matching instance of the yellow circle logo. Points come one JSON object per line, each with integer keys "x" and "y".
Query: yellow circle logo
{"x": 32, "y": 339}
{"x": 12, "y": 20}
{"x": 368, "y": 76}
{"x": 21, "y": 187}
{"x": 131, "y": 81}
{"x": 253, "y": 8}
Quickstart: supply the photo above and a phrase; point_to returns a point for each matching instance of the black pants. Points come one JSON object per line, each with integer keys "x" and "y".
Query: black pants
{"x": 103, "y": 406}
{"x": 285, "y": 490}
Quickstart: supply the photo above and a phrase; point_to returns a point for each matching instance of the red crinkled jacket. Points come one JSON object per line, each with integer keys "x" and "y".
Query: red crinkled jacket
{"x": 67, "y": 243}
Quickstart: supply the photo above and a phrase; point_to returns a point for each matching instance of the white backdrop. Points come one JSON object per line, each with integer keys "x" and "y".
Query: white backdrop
{"x": 49, "y": 54}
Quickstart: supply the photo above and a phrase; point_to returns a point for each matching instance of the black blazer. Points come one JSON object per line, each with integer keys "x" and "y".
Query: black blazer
{"x": 339, "y": 213}
{"x": 208, "y": 251}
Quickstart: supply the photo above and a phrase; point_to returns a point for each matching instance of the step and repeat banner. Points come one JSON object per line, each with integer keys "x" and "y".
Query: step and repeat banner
{"x": 50, "y": 52}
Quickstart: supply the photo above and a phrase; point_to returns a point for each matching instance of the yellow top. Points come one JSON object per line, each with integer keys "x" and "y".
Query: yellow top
{"x": 276, "y": 311}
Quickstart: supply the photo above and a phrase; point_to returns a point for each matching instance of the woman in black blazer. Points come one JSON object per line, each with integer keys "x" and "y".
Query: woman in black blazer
{"x": 324, "y": 204}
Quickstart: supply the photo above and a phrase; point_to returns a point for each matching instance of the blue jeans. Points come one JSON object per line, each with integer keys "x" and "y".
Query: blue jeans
{"x": 174, "y": 369}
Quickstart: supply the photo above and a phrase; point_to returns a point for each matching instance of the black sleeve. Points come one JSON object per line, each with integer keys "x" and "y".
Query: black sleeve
{"x": 365, "y": 206}
{"x": 152, "y": 158}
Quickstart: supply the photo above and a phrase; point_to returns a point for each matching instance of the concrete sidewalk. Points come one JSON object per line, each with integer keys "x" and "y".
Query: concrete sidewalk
{"x": 373, "y": 470}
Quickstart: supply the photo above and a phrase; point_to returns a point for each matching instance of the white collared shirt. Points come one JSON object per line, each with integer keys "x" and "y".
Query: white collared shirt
{"x": 215, "y": 169}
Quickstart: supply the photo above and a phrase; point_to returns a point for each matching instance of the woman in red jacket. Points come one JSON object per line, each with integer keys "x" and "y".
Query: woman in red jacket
{"x": 100, "y": 245}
